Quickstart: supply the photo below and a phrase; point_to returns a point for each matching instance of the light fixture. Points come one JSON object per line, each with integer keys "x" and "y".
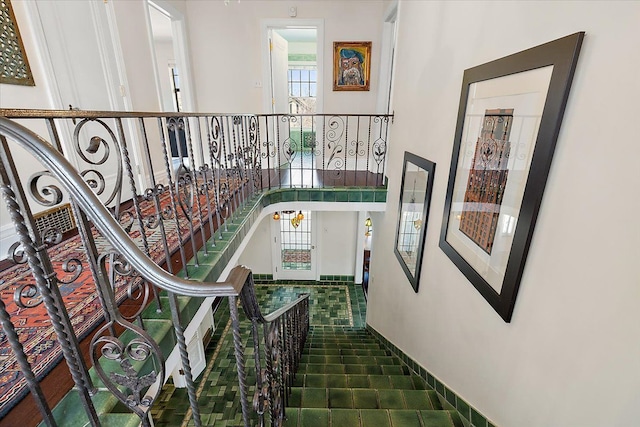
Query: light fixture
{"x": 368, "y": 224}
{"x": 300, "y": 216}
{"x": 276, "y": 216}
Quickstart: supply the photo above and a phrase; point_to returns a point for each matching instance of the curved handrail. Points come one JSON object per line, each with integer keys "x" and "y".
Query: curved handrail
{"x": 282, "y": 310}
{"x": 109, "y": 227}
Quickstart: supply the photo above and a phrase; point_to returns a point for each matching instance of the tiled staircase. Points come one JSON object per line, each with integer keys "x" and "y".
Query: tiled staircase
{"x": 346, "y": 379}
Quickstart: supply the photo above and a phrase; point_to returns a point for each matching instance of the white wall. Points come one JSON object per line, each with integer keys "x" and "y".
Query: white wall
{"x": 226, "y": 49}
{"x": 336, "y": 243}
{"x": 571, "y": 354}
{"x": 257, "y": 253}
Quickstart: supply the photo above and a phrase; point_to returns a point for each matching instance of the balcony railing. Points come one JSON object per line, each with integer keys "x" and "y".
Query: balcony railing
{"x": 151, "y": 194}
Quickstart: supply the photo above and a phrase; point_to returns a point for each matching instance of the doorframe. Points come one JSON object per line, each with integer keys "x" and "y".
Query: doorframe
{"x": 268, "y": 24}
{"x": 180, "y": 50}
{"x": 278, "y": 272}
{"x": 387, "y": 59}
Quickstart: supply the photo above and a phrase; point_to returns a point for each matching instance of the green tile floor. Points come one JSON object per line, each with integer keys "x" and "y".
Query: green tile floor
{"x": 346, "y": 378}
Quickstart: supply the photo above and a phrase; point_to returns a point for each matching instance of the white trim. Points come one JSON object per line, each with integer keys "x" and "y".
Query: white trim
{"x": 383, "y": 103}
{"x": 265, "y": 26}
{"x": 8, "y": 237}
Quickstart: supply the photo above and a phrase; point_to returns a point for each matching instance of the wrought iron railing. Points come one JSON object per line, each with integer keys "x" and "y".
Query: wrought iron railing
{"x": 150, "y": 190}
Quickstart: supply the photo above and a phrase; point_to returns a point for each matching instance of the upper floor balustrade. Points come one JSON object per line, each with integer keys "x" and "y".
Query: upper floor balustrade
{"x": 123, "y": 207}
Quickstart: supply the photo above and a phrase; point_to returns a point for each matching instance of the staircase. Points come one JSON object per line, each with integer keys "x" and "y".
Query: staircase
{"x": 346, "y": 379}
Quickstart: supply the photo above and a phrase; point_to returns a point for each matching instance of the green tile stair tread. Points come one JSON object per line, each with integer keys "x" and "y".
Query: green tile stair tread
{"x": 418, "y": 399}
{"x": 69, "y": 412}
{"x": 404, "y": 418}
{"x": 314, "y": 397}
{"x": 345, "y": 418}
{"x": 441, "y": 419}
{"x": 365, "y": 398}
{"x": 340, "y": 398}
{"x": 391, "y": 399}
{"x": 375, "y": 418}
{"x": 119, "y": 420}
{"x": 314, "y": 417}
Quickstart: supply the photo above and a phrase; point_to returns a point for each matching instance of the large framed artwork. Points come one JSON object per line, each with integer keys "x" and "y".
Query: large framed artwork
{"x": 508, "y": 122}
{"x": 415, "y": 197}
{"x": 351, "y": 65}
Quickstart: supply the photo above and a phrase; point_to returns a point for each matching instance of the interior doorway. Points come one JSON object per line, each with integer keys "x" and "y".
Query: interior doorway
{"x": 294, "y": 236}
{"x": 292, "y": 63}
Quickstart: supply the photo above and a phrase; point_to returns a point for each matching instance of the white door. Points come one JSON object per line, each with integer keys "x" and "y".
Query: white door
{"x": 83, "y": 54}
{"x": 295, "y": 246}
{"x": 279, "y": 63}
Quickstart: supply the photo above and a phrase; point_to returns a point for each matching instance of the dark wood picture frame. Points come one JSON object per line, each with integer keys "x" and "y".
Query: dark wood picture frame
{"x": 413, "y": 215}
{"x": 488, "y": 239}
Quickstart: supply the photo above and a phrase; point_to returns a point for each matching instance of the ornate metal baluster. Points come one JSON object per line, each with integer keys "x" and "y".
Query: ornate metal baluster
{"x": 140, "y": 362}
{"x": 172, "y": 194}
{"x": 21, "y": 358}
{"x": 184, "y": 357}
{"x": 366, "y": 183}
{"x": 239, "y": 353}
{"x": 196, "y": 192}
{"x": 143, "y": 235}
{"x": 153, "y": 193}
{"x": 204, "y": 173}
{"x": 213, "y": 135}
{"x": 45, "y": 277}
{"x": 226, "y": 186}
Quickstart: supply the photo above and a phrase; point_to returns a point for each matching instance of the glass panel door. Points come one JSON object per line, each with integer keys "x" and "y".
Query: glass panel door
{"x": 294, "y": 238}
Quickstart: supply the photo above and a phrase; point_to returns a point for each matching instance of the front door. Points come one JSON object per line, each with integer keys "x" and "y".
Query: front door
{"x": 295, "y": 247}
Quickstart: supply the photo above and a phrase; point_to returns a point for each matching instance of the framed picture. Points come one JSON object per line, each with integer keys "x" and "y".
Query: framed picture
{"x": 15, "y": 69}
{"x": 508, "y": 122}
{"x": 413, "y": 213}
{"x": 351, "y": 65}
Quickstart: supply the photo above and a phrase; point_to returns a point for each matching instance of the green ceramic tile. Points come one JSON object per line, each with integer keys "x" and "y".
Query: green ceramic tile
{"x": 463, "y": 408}
{"x": 477, "y": 419}
{"x": 304, "y": 195}
{"x": 358, "y": 381}
{"x": 380, "y": 196}
{"x": 342, "y": 196}
{"x": 436, "y": 418}
{"x": 336, "y": 381}
{"x": 340, "y": 398}
{"x": 367, "y": 196}
{"x": 295, "y": 398}
{"x": 314, "y": 397}
{"x": 391, "y": 399}
{"x": 417, "y": 399}
{"x": 314, "y": 417}
{"x": 380, "y": 381}
{"x": 375, "y": 417}
{"x": 344, "y": 418}
{"x": 404, "y": 418}
{"x": 315, "y": 196}
{"x": 365, "y": 399}
{"x": 355, "y": 196}
{"x": 450, "y": 396}
{"x": 328, "y": 196}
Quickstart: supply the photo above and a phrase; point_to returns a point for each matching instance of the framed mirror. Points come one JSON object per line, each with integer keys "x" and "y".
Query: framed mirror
{"x": 413, "y": 213}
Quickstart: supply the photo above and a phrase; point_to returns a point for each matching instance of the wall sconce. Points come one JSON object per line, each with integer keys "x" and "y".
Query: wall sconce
{"x": 368, "y": 224}
{"x": 300, "y": 216}
{"x": 276, "y": 216}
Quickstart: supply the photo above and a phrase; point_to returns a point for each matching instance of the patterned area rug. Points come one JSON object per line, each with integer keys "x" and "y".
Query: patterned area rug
{"x": 80, "y": 297}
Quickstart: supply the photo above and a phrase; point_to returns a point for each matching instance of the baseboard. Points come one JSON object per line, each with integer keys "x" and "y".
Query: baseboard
{"x": 449, "y": 399}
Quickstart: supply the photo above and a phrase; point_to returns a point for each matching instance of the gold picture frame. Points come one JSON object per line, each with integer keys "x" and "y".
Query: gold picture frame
{"x": 351, "y": 66}
{"x": 14, "y": 66}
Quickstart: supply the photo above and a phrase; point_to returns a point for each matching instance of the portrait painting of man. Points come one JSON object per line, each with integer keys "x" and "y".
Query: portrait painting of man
{"x": 351, "y": 65}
